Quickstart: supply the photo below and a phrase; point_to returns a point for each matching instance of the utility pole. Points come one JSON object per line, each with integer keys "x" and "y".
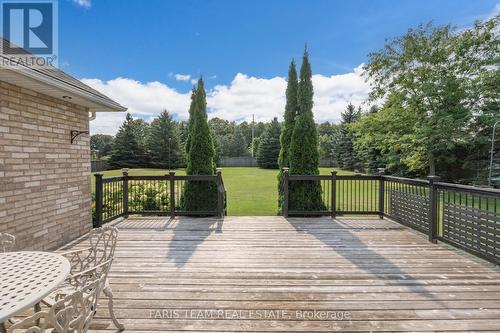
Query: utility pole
{"x": 253, "y": 131}
{"x": 169, "y": 152}
{"x": 492, "y": 151}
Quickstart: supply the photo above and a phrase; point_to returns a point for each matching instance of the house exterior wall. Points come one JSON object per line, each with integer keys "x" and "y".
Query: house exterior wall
{"x": 45, "y": 197}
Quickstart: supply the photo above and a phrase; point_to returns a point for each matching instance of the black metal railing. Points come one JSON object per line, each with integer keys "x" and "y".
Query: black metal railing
{"x": 155, "y": 195}
{"x": 407, "y": 201}
{"x": 464, "y": 216}
{"x": 469, "y": 218}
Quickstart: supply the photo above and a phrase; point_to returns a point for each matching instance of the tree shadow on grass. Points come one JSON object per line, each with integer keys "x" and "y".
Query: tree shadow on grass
{"x": 378, "y": 265}
{"x": 188, "y": 234}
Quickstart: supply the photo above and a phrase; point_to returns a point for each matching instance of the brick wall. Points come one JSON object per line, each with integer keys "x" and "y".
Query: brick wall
{"x": 44, "y": 180}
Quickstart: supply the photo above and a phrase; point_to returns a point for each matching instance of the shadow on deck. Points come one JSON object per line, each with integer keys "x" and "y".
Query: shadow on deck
{"x": 276, "y": 274}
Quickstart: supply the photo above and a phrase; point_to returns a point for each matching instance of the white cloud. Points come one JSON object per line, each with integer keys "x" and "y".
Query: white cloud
{"x": 83, "y": 3}
{"x": 182, "y": 77}
{"x": 142, "y": 100}
{"x": 248, "y": 95}
{"x": 244, "y": 96}
{"x": 494, "y": 12}
{"x": 333, "y": 93}
{"x": 266, "y": 97}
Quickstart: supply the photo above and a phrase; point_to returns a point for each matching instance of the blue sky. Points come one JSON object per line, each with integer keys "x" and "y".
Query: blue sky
{"x": 157, "y": 47}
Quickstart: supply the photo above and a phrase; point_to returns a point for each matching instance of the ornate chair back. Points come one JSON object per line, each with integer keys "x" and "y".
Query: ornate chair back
{"x": 74, "y": 312}
{"x": 7, "y": 242}
{"x": 102, "y": 248}
{"x": 103, "y": 243}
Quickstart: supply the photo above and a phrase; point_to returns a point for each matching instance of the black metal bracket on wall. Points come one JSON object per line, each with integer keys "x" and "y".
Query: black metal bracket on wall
{"x": 75, "y": 134}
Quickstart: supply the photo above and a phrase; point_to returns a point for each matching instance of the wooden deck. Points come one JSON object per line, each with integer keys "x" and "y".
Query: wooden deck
{"x": 264, "y": 274}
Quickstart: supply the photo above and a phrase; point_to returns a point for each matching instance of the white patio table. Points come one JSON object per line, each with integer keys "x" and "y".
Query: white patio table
{"x": 26, "y": 277}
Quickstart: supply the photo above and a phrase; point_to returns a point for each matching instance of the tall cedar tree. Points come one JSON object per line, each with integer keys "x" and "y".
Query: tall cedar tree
{"x": 200, "y": 195}
{"x": 304, "y": 157}
{"x": 126, "y": 152}
{"x": 269, "y": 146}
{"x": 192, "y": 107}
{"x": 164, "y": 142}
{"x": 291, "y": 109}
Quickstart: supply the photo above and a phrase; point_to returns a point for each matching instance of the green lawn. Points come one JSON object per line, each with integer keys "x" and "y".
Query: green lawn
{"x": 250, "y": 191}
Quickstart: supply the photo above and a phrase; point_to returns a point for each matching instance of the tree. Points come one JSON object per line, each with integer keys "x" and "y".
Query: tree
{"x": 326, "y": 135}
{"x": 440, "y": 75}
{"x": 255, "y": 146}
{"x": 200, "y": 195}
{"x": 238, "y": 145}
{"x": 192, "y": 109}
{"x": 163, "y": 142}
{"x": 291, "y": 109}
{"x": 304, "y": 156}
{"x": 269, "y": 146}
{"x": 127, "y": 153}
{"x": 345, "y": 153}
{"x": 389, "y": 132}
{"x": 101, "y": 143}
{"x": 141, "y": 132}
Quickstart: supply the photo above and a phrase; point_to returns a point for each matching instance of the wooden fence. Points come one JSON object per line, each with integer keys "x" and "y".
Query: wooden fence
{"x": 98, "y": 165}
{"x": 466, "y": 217}
{"x": 155, "y": 195}
{"x": 247, "y": 161}
{"x": 242, "y": 161}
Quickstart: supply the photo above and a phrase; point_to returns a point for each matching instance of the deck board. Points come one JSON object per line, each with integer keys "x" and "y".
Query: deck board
{"x": 199, "y": 275}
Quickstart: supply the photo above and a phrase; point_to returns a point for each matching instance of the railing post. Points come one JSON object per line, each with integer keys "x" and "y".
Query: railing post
{"x": 286, "y": 191}
{"x": 381, "y": 193}
{"x": 433, "y": 213}
{"x": 334, "y": 194}
{"x": 171, "y": 177}
{"x": 220, "y": 194}
{"x": 125, "y": 191}
{"x": 98, "y": 200}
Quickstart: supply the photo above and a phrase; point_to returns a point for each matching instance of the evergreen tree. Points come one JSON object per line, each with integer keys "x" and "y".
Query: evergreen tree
{"x": 291, "y": 108}
{"x": 141, "y": 132}
{"x": 126, "y": 152}
{"x": 304, "y": 157}
{"x": 200, "y": 195}
{"x": 238, "y": 144}
{"x": 346, "y": 155}
{"x": 192, "y": 107}
{"x": 269, "y": 146}
{"x": 164, "y": 142}
{"x": 255, "y": 146}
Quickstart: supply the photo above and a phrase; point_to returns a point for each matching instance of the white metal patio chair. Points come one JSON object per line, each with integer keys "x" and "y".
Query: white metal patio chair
{"x": 102, "y": 248}
{"x": 72, "y": 313}
{"x": 7, "y": 242}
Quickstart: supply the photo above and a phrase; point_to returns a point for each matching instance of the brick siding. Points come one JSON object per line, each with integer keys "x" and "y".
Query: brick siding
{"x": 45, "y": 198}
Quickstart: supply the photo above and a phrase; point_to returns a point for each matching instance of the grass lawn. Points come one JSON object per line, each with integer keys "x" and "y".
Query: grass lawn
{"x": 250, "y": 191}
